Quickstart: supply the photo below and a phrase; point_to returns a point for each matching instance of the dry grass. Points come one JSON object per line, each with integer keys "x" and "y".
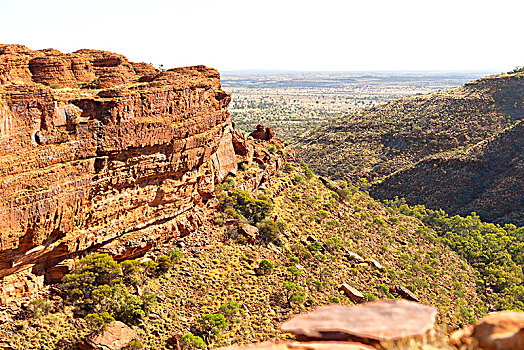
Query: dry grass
{"x": 223, "y": 271}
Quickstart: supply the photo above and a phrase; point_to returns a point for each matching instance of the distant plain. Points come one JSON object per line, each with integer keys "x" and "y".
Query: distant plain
{"x": 294, "y": 102}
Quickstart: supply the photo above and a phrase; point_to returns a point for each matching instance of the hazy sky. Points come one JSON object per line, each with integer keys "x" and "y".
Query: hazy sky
{"x": 291, "y": 35}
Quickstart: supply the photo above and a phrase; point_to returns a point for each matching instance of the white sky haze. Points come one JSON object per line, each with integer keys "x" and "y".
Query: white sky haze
{"x": 331, "y": 35}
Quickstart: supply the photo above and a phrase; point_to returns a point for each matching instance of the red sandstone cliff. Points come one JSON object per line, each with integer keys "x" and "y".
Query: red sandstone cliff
{"x": 99, "y": 152}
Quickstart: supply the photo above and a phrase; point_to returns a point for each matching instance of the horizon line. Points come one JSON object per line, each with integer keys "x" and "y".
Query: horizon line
{"x": 289, "y": 71}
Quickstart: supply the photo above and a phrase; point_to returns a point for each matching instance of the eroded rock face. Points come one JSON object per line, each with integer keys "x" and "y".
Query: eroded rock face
{"x": 100, "y": 153}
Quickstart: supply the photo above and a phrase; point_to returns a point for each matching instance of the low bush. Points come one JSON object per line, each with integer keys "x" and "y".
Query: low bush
{"x": 192, "y": 342}
{"x": 229, "y": 309}
{"x": 210, "y": 325}
{"x": 265, "y": 267}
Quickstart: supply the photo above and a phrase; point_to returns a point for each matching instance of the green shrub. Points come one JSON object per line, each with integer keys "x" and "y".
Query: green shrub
{"x": 288, "y": 168}
{"x": 40, "y": 307}
{"x": 394, "y": 220}
{"x": 150, "y": 268}
{"x": 295, "y": 272}
{"x": 314, "y": 247}
{"x": 265, "y": 267}
{"x": 370, "y": 296}
{"x": 228, "y": 183}
{"x": 253, "y": 209}
{"x": 134, "y": 345}
{"x": 132, "y": 272}
{"x": 383, "y": 288}
{"x": 229, "y": 309}
{"x": 192, "y": 342}
{"x": 94, "y": 270}
{"x": 98, "y": 322}
{"x": 176, "y": 256}
{"x": 97, "y": 288}
{"x": 292, "y": 295}
{"x": 333, "y": 244}
{"x": 379, "y": 221}
{"x": 411, "y": 287}
{"x": 268, "y": 231}
{"x": 307, "y": 172}
{"x": 211, "y": 324}
{"x": 320, "y": 257}
{"x": 164, "y": 264}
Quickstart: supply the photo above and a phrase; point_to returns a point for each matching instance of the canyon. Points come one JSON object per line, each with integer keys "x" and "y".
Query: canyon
{"x": 99, "y": 153}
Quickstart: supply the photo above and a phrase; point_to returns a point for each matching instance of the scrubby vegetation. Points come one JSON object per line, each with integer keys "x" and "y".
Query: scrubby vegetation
{"x": 234, "y": 291}
{"x": 99, "y": 289}
{"x": 485, "y": 178}
{"x": 383, "y": 139}
{"x": 496, "y": 252}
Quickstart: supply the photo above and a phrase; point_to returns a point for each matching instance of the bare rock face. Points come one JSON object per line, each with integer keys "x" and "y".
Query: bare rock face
{"x": 382, "y": 320}
{"x": 501, "y": 330}
{"x": 97, "y": 152}
{"x": 116, "y": 336}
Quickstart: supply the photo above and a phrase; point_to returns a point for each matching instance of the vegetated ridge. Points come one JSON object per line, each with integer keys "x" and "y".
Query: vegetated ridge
{"x": 380, "y": 140}
{"x": 458, "y": 149}
{"x": 487, "y": 178}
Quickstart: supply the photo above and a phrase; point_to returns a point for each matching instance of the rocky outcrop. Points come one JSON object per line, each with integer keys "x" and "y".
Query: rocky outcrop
{"x": 360, "y": 327}
{"x": 99, "y": 153}
{"x": 352, "y": 293}
{"x": 115, "y": 336}
{"x": 501, "y": 330}
{"x": 381, "y": 320}
{"x": 261, "y": 133}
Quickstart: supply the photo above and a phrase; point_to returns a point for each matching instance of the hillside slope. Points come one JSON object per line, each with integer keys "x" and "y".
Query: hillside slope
{"x": 313, "y": 253}
{"x": 487, "y": 179}
{"x": 381, "y": 140}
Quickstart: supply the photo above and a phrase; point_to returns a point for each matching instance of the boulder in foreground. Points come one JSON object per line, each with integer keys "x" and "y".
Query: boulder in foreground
{"x": 382, "y": 320}
{"x": 501, "y": 330}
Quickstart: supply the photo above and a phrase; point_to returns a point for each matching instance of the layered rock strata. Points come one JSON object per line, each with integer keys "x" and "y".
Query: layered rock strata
{"x": 97, "y": 152}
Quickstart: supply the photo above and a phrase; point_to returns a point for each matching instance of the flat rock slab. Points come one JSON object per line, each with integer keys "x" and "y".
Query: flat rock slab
{"x": 381, "y": 320}
{"x": 325, "y": 345}
{"x": 500, "y": 330}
